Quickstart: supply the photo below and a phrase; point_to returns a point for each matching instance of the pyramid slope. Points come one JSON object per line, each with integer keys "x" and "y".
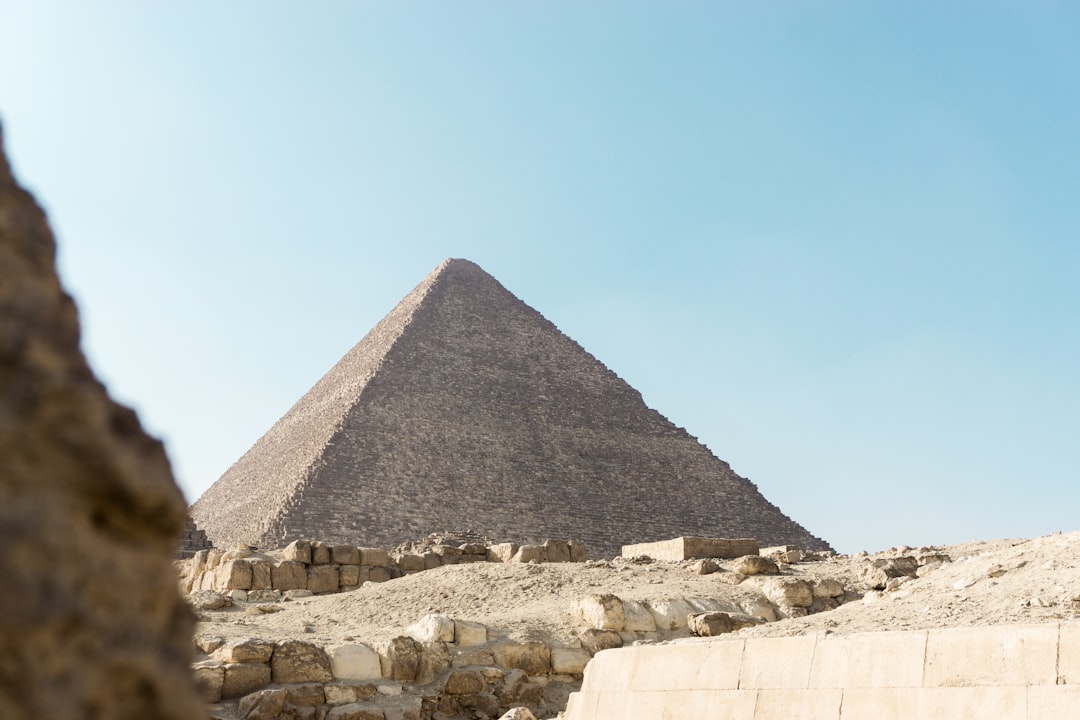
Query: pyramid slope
{"x": 480, "y": 414}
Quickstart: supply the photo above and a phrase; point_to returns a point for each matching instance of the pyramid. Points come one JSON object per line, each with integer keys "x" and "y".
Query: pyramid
{"x": 466, "y": 409}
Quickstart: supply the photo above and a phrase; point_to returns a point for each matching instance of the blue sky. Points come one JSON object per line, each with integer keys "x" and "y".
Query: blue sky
{"x": 839, "y": 242}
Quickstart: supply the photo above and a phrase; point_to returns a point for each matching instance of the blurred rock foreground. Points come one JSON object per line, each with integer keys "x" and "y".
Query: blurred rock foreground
{"x": 91, "y": 623}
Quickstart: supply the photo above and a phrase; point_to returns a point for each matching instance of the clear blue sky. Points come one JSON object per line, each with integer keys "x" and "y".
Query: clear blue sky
{"x": 838, "y": 242}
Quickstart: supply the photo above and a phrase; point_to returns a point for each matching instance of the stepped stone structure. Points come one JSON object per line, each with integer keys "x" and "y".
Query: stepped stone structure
{"x": 192, "y": 540}
{"x": 464, "y": 408}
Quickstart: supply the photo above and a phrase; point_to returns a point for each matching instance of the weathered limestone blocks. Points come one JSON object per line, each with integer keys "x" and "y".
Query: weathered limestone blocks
{"x": 323, "y": 568}
{"x": 687, "y": 548}
{"x": 983, "y": 673}
{"x": 91, "y": 623}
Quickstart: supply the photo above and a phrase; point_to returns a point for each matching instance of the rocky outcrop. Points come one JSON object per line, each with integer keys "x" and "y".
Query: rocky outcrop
{"x": 91, "y": 624}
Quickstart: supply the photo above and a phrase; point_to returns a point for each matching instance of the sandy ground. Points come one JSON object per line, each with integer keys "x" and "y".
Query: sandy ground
{"x": 991, "y": 582}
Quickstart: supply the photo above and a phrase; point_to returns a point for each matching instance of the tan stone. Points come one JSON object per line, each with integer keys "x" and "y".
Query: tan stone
{"x": 243, "y": 678}
{"x": 251, "y": 650}
{"x": 403, "y": 659}
{"x": 355, "y": 711}
{"x": 260, "y": 575}
{"x": 263, "y": 705}
{"x": 378, "y": 574}
{"x": 349, "y": 575}
{"x": 556, "y": 551}
{"x": 209, "y": 677}
{"x": 704, "y": 566}
{"x": 788, "y": 591}
{"x": 296, "y": 661}
{"x": 709, "y": 624}
{"x": 345, "y": 555}
{"x": 354, "y": 662}
{"x": 596, "y": 640}
{"x": 320, "y": 553}
{"x": 501, "y": 552}
{"x": 297, "y": 551}
{"x": 432, "y": 628}
{"x": 827, "y": 588}
{"x": 233, "y": 575}
{"x": 410, "y": 563}
{"x": 289, "y": 575}
{"x": 532, "y": 657}
{"x": 528, "y": 553}
{"x": 670, "y": 614}
{"x": 569, "y": 661}
{"x": 374, "y": 557}
{"x": 435, "y": 659}
{"x": 755, "y": 565}
{"x": 469, "y": 634}
{"x": 518, "y": 713}
{"x": 638, "y": 617}
{"x": 602, "y": 612}
{"x": 91, "y": 620}
{"x": 464, "y": 682}
{"x": 323, "y": 578}
{"x": 578, "y": 551}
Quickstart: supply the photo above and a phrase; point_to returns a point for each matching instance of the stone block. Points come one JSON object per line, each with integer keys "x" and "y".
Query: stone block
{"x": 755, "y": 565}
{"x": 262, "y": 705}
{"x": 432, "y": 560}
{"x": 250, "y": 650}
{"x": 354, "y": 662}
{"x": 356, "y": 711}
{"x": 260, "y": 575}
{"x": 432, "y": 628}
{"x": 602, "y": 612}
{"x": 209, "y": 678}
{"x": 233, "y": 575}
{"x": 594, "y": 640}
{"x": 938, "y": 703}
{"x": 1017, "y": 654}
{"x": 687, "y": 548}
{"x": 709, "y": 624}
{"x": 323, "y": 578}
{"x": 345, "y": 555}
{"x": 827, "y": 588}
{"x": 349, "y": 575}
{"x": 410, "y": 563}
{"x": 1060, "y": 702}
{"x": 578, "y": 551}
{"x": 528, "y": 553}
{"x": 670, "y": 615}
{"x": 297, "y": 551}
{"x": 448, "y": 554}
{"x": 569, "y": 661}
{"x": 320, "y": 553}
{"x": 465, "y": 682}
{"x": 501, "y": 552}
{"x": 533, "y": 657}
{"x": 638, "y": 617}
{"x": 794, "y": 704}
{"x": 402, "y": 659}
{"x": 296, "y": 661}
{"x": 777, "y": 662}
{"x": 1069, "y": 653}
{"x": 305, "y": 694}
{"x": 243, "y": 678}
{"x": 377, "y": 574}
{"x": 556, "y": 551}
{"x": 788, "y": 591}
{"x": 869, "y": 660}
{"x": 289, "y": 575}
{"x": 469, "y": 634}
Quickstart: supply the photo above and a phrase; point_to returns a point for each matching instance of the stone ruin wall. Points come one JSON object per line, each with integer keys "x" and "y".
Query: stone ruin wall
{"x": 319, "y": 567}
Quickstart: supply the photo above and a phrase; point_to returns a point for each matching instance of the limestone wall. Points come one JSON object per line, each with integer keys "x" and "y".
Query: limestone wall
{"x": 1028, "y": 672}
{"x": 320, "y": 567}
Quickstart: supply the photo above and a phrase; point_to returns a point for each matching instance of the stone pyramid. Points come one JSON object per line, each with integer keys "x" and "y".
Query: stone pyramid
{"x": 465, "y": 409}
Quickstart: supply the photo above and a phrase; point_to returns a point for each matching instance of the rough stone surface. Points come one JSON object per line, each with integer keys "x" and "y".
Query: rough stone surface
{"x": 296, "y": 661}
{"x": 243, "y": 678}
{"x": 90, "y": 515}
{"x": 603, "y": 612}
{"x": 355, "y": 662}
{"x": 432, "y": 628}
{"x": 487, "y": 388}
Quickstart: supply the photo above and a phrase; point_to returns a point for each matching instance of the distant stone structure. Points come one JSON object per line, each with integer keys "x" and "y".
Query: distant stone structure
{"x": 464, "y": 407}
{"x": 685, "y": 548}
{"x": 91, "y": 623}
{"x": 192, "y": 540}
